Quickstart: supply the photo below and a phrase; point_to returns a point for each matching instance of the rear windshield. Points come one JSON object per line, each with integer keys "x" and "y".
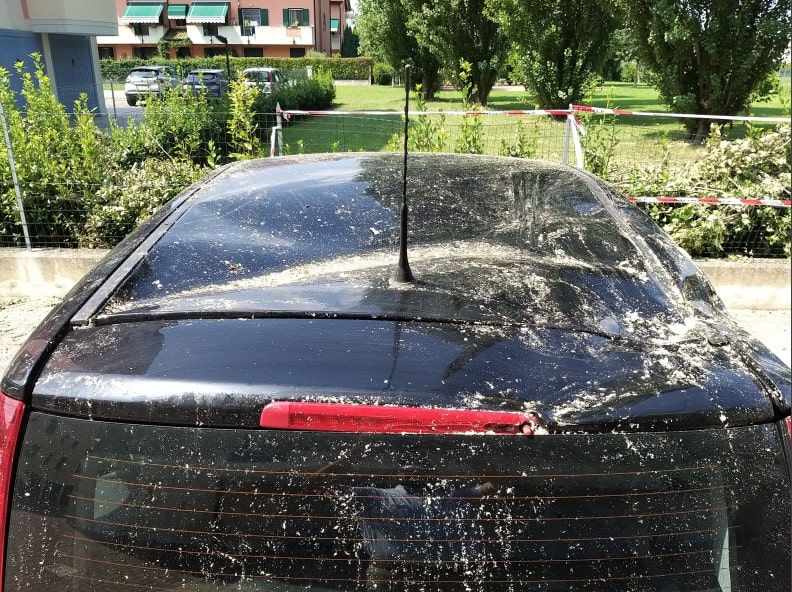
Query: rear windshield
{"x": 111, "y": 506}
{"x": 201, "y": 76}
{"x": 263, "y": 76}
{"x": 143, "y": 74}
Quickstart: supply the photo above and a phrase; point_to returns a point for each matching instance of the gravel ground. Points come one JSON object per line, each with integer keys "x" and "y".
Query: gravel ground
{"x": 19, "y": 316}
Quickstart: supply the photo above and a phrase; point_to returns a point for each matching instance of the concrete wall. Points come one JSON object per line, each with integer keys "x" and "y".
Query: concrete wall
{"x": 44, "y": 272}
{"x": 758, "y": 284}
{"x": 69, "y": 17}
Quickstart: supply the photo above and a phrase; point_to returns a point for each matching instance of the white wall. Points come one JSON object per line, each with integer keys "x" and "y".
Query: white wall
{"x": 11, "y": 15}
{"x": 71, "y": 17}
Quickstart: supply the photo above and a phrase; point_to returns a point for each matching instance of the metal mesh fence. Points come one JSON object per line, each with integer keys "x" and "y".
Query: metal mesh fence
{"x": 96, "y": 212}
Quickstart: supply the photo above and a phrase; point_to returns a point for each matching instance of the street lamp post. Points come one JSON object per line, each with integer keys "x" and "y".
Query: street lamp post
{"x": 224, "y": 40}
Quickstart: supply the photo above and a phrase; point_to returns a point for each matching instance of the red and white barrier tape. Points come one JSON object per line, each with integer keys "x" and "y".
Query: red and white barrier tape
{"x": 729, "y": 201}
{"x": 550, "y": 112}
{"x": 578, "y": 130}
{"x": 603, "y": 110}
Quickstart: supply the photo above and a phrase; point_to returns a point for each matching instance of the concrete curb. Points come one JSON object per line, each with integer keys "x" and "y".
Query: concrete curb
{"x": 757, "y": 284}
{"x": 44, "y": 272}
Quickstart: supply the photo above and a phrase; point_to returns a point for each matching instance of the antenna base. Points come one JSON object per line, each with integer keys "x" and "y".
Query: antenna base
{"x": 403, "y": 275}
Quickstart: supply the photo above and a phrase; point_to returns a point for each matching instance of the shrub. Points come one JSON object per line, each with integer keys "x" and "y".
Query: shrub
{"x": 757, "y": 167}
{"x": 317, "y": 92}
{"x": 184, "y": 126}
{"x": 79, "y": 185}
{"x": 59, "y": 160}
{"x": 526, "y": 144}
{"x": 129, "y": 196}
{"x": 382, "y": 74}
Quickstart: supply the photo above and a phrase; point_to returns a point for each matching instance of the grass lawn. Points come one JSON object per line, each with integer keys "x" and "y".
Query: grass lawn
{"x": 618, "y": 95}
{"x": 630, "y": 140}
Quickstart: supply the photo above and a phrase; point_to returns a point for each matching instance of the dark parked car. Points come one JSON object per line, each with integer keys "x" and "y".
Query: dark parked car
{"x": 211, "y": 81}
{"x": 261, "y": 390}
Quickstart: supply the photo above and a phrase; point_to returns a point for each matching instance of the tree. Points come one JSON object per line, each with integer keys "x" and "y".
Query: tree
{"x": 349, "y": 43}
{"x": 382, "y": 27}
{"x": 623, "y": 62}
{"x": 709, "y": 56}
{"x": 562, "y": 44}
{"x": 461, "y": 32}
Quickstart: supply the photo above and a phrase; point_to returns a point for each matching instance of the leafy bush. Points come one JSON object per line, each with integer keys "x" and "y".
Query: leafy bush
{"x": 242, "y": 126}
{"x": 317, "y": 92}
{"x": 129, "y": 196}
{"x": 185, "y": 126}
{"x": 757, "y": 167}
{"x": 526, "y": 144}
{"x": 79, "y": 185}
{"x": 382, "y": 74}
{"x": 62, "y": 159}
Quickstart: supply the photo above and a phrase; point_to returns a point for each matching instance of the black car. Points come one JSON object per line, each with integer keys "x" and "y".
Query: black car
{"x": 266, "y": 388}
{"x": 212, "y": 81}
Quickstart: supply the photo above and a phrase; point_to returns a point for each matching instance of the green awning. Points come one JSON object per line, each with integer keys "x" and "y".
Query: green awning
{"x": 208, "y": 12}
{"x": 334, "y": 25}
{"x": 177, "y": 11}
{"x": 143, "y": 12}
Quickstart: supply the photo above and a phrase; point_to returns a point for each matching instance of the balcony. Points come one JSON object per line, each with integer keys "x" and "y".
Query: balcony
{"x": 263, "y": 35}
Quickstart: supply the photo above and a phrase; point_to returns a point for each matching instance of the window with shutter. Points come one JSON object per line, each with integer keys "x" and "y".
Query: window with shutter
{"x": 249, "y": 19}
{"x": 296, "y": 17}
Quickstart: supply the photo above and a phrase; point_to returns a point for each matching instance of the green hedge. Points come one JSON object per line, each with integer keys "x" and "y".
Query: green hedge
{"x": 340, "y": 68}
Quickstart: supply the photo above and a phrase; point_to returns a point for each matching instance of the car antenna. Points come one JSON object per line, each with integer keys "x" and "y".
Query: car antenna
{"x": 403, "y": 272}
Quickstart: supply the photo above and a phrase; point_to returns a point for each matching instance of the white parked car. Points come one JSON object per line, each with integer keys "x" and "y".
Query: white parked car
{"x": 147, "y": 80}
{"x": 266, "y": 79}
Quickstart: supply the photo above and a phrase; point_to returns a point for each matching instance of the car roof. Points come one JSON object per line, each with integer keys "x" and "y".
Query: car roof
{"x": 207, "y": 71}
{"x": 531, "y": 276}
{"x": 291, "y": 224}
{"x": 152, "y": 68}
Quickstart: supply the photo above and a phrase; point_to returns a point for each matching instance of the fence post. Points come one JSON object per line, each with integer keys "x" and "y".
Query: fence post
{"x": 567, "y": 133}
{"x": 17, "y": 191}
{"x": 112, "y": 96}
{"x": 276, "y": 138}
{"x": 573, "y": 127}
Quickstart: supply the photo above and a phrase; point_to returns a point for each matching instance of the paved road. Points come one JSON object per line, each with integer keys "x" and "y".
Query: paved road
{"x": 117, "y": 107}
{"x": 19, "y": 316}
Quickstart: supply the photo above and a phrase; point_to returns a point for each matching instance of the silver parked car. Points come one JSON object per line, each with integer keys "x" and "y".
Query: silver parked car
{"x": 144, "y": 81}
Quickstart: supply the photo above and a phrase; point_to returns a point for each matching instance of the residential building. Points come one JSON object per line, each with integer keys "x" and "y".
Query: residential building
{"x": 246, "y": 28}
{"x": 64, "y": 33}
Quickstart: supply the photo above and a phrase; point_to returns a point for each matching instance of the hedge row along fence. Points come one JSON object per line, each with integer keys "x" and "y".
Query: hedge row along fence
{"x": 339, "y": 68}
{"x": 89, "y": 187}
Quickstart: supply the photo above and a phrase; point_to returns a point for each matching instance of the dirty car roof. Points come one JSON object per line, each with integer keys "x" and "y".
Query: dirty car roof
{"x": 491, "y": 239}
